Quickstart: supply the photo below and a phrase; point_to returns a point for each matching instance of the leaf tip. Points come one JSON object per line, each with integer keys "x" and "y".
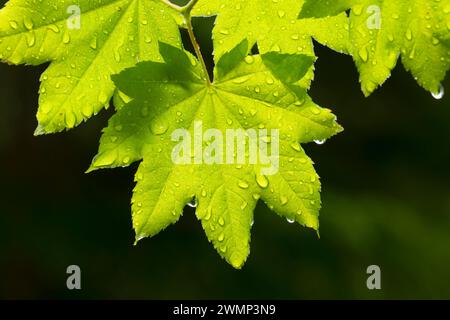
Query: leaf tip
{"x": 139, "y": 236}
{"x": 369, "y": 87}
{"x": 104, "y": 160}
{"x": 237, "y": 265}
{"x": 339, "y": 128}
{"x": 236, "y": 262}
{"x": 40, "y": 131}
{"x": 90, "y": 169}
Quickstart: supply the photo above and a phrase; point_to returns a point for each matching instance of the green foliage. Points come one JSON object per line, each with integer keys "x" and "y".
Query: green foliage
{"x": 112, "y": 36}
{"x": 131, "y": 51}
{"x": 416, "y": 30}
{"x": 273, "y": 25}
{"x": 226, "y": 193}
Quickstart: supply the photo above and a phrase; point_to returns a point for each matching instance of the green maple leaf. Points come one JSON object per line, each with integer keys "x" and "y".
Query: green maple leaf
{"x": 273, "y": 25}
{"x": 416, "y": 30}
{"x": 84, "y": 50}
{"x": 246, "y": 94}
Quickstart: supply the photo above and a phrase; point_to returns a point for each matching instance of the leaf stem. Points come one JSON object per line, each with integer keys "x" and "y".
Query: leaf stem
{"x": 172, "y": 5}
{"x": 189, "y": 6}
{"x": 186, "y": 12}
{"x": 198, "y": 52}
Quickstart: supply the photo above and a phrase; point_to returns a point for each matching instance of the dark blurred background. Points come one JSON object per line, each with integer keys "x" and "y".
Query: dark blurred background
{"x": 386, "y": 201}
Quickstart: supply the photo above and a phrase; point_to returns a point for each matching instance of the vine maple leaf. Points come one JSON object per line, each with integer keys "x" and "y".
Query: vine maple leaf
{"x": 245, "y": 95}
{"x": 86, "y": 42}
{"x": 273, "y": 25}
{"x": 416, "y": 30}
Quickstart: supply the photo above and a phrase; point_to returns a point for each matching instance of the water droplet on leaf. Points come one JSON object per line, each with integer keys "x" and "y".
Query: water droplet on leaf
{"x": 439, "y": 95}
{"x": 193, "y": 203}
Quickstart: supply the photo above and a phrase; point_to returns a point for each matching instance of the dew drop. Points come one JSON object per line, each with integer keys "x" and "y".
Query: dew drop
{"x": 243, "y": 184}
{"x": 439, "y": 95}
{"x": 66, "y": 38}
{"x": 299, "y": 103}
{"x": 70, "y": 120}
{"x": 117, "y": 56}
{"x": 363, "y": 54}
{"x": 319, "y": 142}
{"x": 262, "y": 181}
{"x": 296, "y": 146}
{"x": 87, "y": 110}
{"x": 241, "y": 80}
{"x": 276, "y": 48}
{"x": 13, "y": 24}
{"x": 31, "y": 39}
{"x": 159, "y": 127}
{"x": 193, "y": 203}
{"x": 54, "y": 28}
{"x": 409, "y": 34}
{"x": 269, "y": 81}
{"x": 28, "y": 23}
{"x": 93, "y": 44}
{"x": 249, "y": 59}
{"x": 208, "y": 214}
